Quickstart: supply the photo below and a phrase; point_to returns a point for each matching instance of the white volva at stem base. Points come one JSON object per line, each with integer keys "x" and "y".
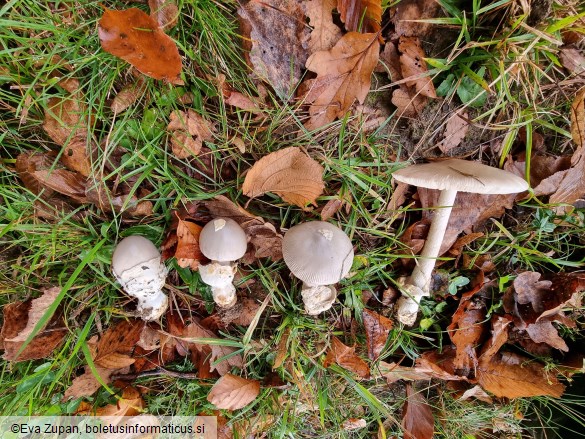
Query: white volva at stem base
{"x": 152, "y": 307}
{"x": 418, "y": 284}
{"x": 318, "y": 299}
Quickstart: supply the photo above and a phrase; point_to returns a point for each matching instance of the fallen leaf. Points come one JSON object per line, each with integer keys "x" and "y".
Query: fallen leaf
{"x": 86, "y": 384}
{"x": 165, "y": 12}
{"x": 408, "y": 16}
{"x": 377, "y": 330}
{"x": 128, "y": 96}
{"x": 19, "y": 320}
{"x": 413, "y": 66}
{"x": 360, "y": 15}
{"x": 530, "y": 290}
{"x": 343, "y": 76}
{"x": 543, "y": 331}
{"x": 407, "y": 102}
{"x": 188, "y": 253}
{"x": 346, "y": 357}
{"x": 242, "y": 313}
{"x": 150, "y": 339}
{"x": 354, "y": 424}
{"x": 68, "y": 183}
{"x": 67, "y": 125}
{"x": 439, "y": 365}
{"x": 478, "y": 393}
{"x": 417, "y": 417}
{"x": 130, "y": 403}
{"x": 331, "y": 208}
{"x": 135, "y": 37}
{"x": 275, "y": 39}
{"x": 231, "y": 392}
{"x": 394, "y": 372}
{"x": 455, "y": 131}
{"x": 188, "y": 132}
{"x": 113, "y": 349}
{"x": 325, "y": 33}
{"x": 289, "y": 173}
{"x": 573, "y": 61}
{"x": 281, "y": 349}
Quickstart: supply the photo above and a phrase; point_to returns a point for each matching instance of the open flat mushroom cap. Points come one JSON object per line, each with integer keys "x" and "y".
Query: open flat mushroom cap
{"x": 132, "y": 251}
{"x": 223, "y": 240}
{"x": 462, "y": 176}
{"x": 317, "y": 252}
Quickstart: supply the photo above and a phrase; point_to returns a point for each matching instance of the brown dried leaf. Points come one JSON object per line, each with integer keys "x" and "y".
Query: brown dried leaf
{"x": 188, "y": 253}
{"x": 439, "y": 365}
{"x": 150, "y": 339}
{"x": 346, "y": 357}
{"x": 282, "y": 349}
{"x": 115, "y": 346}
{"x": 128, "y": 96}
{"x": 86, "y": 384}
{"x": 231, "y": 392}
{"x": 413, "y": 66}
{"x": 165, "y": 12}
{"x": 360, "y": 15}
{"x": 408, "y": 103}
{"x": 325, "y": 33}
{"x": 354, "y": 424}
{"x": 417, "y": 417}
{"x": 377, "y": 329}
{"x": 394, "y": 372}
{"x": 289, "y": 173}
{"x": 188, "y": 132}
{"x": 331, "y": 208}
{"x": 129, "y": 404}
{"x": 275, "y": 36}
{"x": 573, "y": 61}
{"x": 455, "y": 131}
{"x": 530, "y": 290}
{"x": 408, "y": 14}
{"x": 478, "y": 393}
{"x": 135, "y": 37}
{"x": 511, "y": 376}
{"x": 69, "y": 183}
{"x": 543, "y": 331}
{"x": 243, "y": 313}
{"x": 20, "y": 318}
{"x": 343, "y": 76}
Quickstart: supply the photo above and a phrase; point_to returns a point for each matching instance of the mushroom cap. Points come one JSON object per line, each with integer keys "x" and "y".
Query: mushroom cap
{"x": 317, "y": 252}
{"x": 462, "y": 176}
{"x": 131, "y": 251}
{"x": 223, "y": 240}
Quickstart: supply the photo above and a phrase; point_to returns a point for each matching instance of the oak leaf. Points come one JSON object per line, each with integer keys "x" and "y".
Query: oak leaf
{"x": 417, "y": 417}
{"x": 343, "y": 76}
{"x": 231, "y": 392}
{"x": 289, "y": 173}
{"x": 188, "y": 132}
{"x": 360, "y": 15}
{"x": 378, "y": 328}
{"x": 346, "y": 357}
{"x": 135, "y": 37}
{"x": 325, "y": 33}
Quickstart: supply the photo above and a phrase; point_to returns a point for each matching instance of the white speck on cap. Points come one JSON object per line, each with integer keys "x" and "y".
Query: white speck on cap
{"x": 317, "y": 252}
{"x": 223, "y": 240}
{"x": 462, "y": 176}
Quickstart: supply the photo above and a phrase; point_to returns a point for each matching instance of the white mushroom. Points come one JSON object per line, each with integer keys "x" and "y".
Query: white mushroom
{"x": 137, "y": 265}
{"x": 223, "y": 241}
{"x": 319, "y": 254}
{"x": 449, "y": 176}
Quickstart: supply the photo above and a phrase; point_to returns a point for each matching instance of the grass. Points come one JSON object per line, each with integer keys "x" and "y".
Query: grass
{"x": 42, "y": 42}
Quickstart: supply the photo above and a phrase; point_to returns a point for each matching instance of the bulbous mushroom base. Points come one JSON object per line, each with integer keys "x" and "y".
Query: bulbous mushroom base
{"x": 318, "y": 299}
{"x": 408, "y": 304}
{"x": 219, "y": 277}
{"x": 152, "y": 307}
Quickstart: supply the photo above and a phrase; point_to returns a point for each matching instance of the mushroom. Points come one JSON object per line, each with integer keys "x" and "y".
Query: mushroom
{"x": 223, "y": 241}
{"x": 319, "y": 254}
{"x": 449, "y": 176}
{"x": 138, "y": 267}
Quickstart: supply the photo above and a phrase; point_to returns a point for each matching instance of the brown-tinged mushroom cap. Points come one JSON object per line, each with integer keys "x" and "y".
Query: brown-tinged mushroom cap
{"x": 223, "y": 240}
{"x": 317, "y": 252}
{"x": 462, "y": 176}
{"x": 132, "y": 251}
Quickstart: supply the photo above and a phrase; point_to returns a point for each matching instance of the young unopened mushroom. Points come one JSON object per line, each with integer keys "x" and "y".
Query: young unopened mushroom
{"x": 319, "y": 254}
{"x": 223, "y": 241}
{"x": 137, "y": 265}
{"x": 449, "y": 176}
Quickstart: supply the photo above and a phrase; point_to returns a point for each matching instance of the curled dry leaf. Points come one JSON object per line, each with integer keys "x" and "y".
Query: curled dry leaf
{"x": 413, "y": 66}
{"x": 135, "y": 37}
{"x": 417, "y": 417}
{"x": 331, "y": 208}
{"x": 455, "y": 131}
{"x": 20, "y": 319}
{"x": 478, "y": 393}
{"x": 325, "y": 33}
{"x": 289, "y": 173}
{"x": 346, "y": 357}
{"x": 275, "y": 40}
{"x": 165, "y": 12}
{"x": 128, "y": 96}
{"x": 188, "y": 132}
{"x": 377, "y": 330}
{"x": 343, "y": 76}
{"x": 231, "y": 392}
{"x": 188, "y": 253}
{"x": 360, "y": 15}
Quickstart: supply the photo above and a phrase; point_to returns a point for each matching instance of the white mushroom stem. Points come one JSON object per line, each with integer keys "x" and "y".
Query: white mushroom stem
{"x": 219, "y": 276}
{"x": 418, "y": 284}
{"x": 318, "y": 298}
{"x": 152, "y": 307}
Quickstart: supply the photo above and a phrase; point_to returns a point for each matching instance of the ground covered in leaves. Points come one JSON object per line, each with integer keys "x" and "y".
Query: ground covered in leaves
{"x": 153, "y": 118}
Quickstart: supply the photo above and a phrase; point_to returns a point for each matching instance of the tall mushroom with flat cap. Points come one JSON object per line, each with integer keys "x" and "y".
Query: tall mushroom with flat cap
{"x": 449, "y": 176}
{"x": 319, "y": 254}
{"x": 137, "y": 265}
{"x": 223, "y": 241}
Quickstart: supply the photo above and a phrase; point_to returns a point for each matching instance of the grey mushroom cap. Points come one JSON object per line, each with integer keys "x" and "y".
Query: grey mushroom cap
{"x": 317, "y": 252}
{"x": 131, "y": 251}
{"x": 462, "y": 176}
{"x": 223, "y": 240}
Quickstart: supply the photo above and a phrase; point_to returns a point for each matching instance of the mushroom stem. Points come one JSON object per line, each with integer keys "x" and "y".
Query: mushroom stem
{"x": 418, "y": 284}
{"x": 219, "y": 276}
{"x": 318, "y": 298}
{"x": 153, "y": 306}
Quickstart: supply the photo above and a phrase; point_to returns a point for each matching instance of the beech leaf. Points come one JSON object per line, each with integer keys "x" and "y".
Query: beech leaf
{"x": 135, "y": 37}
{"x": 413, "y": 66}
{"x": 377, "y": 329}
{"x": 417, "y": 417}
{"x": 346, "y": 357}
{"x": 289, "y": 173}
{"x": 231, "y": 392}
